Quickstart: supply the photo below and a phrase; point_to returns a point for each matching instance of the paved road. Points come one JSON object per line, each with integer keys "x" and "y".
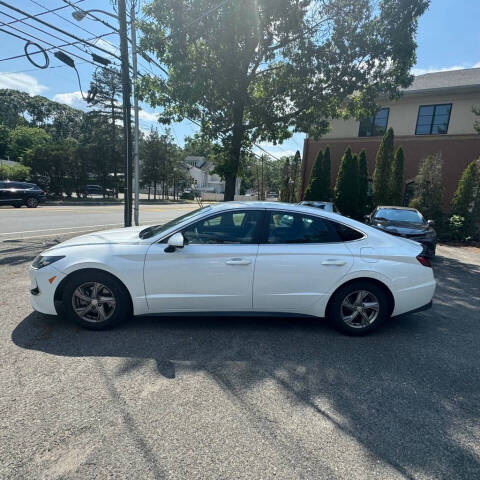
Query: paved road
{"x": 206, "y": 398}
{"x": 49, "y": 221}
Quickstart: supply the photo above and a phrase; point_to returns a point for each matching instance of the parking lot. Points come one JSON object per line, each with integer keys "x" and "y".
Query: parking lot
{"x": 233, "y": 398}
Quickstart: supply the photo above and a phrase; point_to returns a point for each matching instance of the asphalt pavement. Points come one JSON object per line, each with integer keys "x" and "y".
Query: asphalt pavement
{"x": 241, "y": 398}
{"x": 53, "y": 220}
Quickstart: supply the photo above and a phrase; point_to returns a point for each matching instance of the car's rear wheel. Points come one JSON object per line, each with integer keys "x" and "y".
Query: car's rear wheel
{"x": 32, "y": 202}
{"x": 96, "y": 300}
{"x": 358, "y": 308}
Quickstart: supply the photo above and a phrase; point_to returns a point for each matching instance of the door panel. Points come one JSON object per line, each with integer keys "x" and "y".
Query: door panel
{"x": 200, "y": 278}
{"x": 292, "y": 278}
{"x": 300, "y": 261}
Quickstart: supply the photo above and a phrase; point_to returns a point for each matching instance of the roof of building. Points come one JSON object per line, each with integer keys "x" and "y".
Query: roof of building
{"x": 468, "y": 77}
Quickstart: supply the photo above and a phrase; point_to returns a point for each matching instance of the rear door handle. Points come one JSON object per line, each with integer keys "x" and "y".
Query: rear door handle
{"x": 238, "y": 261}
{"x": 334, "y": 262}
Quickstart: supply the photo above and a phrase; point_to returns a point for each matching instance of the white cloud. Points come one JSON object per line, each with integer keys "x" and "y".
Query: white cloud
{"x": 423, "y": 71}
{"x": 276, "y": 150}
{"x": 147, "y": 116}
{"x": 73, "y": 99}
{"x": 22, "y": 82}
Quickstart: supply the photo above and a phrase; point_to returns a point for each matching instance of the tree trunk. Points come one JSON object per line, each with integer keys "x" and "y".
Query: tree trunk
{"x": 235, "y": 151}
{"x": 149, "y": 187}
{"x": 154, "y": 189}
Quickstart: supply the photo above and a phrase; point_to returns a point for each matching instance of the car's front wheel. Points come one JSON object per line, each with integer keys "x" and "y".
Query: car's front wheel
{"x": 32, "y": 202}
{"x": 96, "y": 300}
{"x": 358, "y": 308}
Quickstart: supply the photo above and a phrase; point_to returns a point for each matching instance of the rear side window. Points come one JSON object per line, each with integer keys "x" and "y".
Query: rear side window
{"x": 287, "y": 227}
{"x": 345, "y": 233}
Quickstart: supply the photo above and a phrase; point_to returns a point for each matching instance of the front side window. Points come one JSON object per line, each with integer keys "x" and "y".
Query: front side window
{"x": 433, "y": 119}
{"x": 286, "y": 227}
{"x": 374, "y": 126}
{"x": 239, "y": 226}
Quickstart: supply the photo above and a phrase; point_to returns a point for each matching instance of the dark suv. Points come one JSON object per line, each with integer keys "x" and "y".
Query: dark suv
{"x": 20, "y": 193}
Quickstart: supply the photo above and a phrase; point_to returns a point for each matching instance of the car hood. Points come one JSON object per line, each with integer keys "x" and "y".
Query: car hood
{"x": 401, "y": 228}
{"x": 119, "y": 235}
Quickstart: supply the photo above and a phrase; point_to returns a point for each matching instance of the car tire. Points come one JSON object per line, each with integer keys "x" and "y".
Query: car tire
{"x": 31, "y": 202}
{"x": 358, "y": 308}
{"x": 83, "y": 295}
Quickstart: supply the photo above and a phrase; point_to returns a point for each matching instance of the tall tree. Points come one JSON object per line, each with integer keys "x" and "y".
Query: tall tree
{"x": 294, "y": 183}
{"x": 346, "y": 185}
{"x": 362, "y": 183}
{"x": 285, "y": 187}
{"x": 24, "y": 138}
{"x": 429, "y": 188}
{"x": 258, "y": 70}
{"x": 396, "y": 177}
{"x": 108, "y": 85}
{"x": 315, "y": 189}
{"x": 383, "y": 168}
{"x": 327, "y": 171}
{"x": 466, "y": 201}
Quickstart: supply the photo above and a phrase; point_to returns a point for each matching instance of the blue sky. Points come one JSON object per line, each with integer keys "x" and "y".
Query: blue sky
{"x": 448, "y": 38}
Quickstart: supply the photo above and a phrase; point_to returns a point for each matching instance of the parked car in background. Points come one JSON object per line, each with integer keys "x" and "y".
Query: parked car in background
{"x": 302, "y": 260}
{"x": 90, "y": 190}
{"x": 405, "y": 222}
{"x": 327, "y": 206}
{"x": 20, "y": 193}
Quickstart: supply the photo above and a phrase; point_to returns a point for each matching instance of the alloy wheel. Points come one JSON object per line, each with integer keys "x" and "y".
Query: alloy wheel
{"x": 32, "y": 202}
{"x": 93, "y": 302}
{"x": 359, "y": 309}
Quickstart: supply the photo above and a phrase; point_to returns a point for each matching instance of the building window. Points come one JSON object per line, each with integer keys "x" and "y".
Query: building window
{"x": 433, "y": 119}
{"x": 374, "y": 126}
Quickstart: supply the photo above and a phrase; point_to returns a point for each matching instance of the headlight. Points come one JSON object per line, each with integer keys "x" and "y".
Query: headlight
{"x": 41, "y": 262}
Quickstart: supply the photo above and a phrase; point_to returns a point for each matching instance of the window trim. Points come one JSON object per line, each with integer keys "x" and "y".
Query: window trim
{"x": 372, "y": 123}
{"x": 434, "y": 105}
{"x": 264, "y": 231}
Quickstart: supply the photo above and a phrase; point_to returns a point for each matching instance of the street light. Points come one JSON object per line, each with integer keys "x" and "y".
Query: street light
{"x": 80, "y": 14}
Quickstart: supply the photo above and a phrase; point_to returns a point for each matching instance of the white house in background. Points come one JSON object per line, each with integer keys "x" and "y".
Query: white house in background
{"x": 203, "y": 178}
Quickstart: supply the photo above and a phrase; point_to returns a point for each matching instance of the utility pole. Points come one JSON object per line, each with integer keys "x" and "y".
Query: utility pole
{"x": 136, "y": 156}
{"x": 127, "y": 127}
{"x": 263, "y": 185}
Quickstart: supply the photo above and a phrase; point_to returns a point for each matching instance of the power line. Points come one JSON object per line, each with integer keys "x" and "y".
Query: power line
{"x": 51, "y": 48}
{"x": 39, "y": 70}
{"x": 39, "y": 14}
{"x": 57, "y": 29}
{"x": 75, "y": 24}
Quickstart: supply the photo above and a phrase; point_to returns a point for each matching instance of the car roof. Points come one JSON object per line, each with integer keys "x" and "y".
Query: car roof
{"x": 239, "y": 205}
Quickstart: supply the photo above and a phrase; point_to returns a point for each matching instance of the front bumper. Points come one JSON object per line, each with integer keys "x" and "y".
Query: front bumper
{"x": 43, "y": 283}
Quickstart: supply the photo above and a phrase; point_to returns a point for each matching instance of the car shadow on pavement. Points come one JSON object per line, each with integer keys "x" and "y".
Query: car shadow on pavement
{"x": 405, "y": 393}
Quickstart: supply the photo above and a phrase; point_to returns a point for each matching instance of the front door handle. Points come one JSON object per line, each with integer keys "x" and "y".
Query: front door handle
{"x": 238, "y": 261}
{"x": 334, "y": 262}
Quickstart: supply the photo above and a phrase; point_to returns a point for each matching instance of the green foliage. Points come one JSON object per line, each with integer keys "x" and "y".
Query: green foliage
{"x": 232, "y": 70}
{"x": 429, "y": 189}
{"x": 466, "y": 201}
{"x": 476, "y": 124}
{"x": 396, "y": 178}
{"x": 4, "y": 138}
{"x": 23, "y": 138}
{"x": 18, "y": 173}
{"x": 383, "y": 168}
{"x": 346, "y": 186}
{"x": 315, "y": 186}
{"x": 362, "y": 184}
{"x": 319, "y": 185}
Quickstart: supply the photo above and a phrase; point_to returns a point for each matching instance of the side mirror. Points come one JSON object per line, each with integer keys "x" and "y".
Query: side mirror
{"x": 367, "y": 218}
{"x": 431, "y": 222}
{"x": 174, "y": 242}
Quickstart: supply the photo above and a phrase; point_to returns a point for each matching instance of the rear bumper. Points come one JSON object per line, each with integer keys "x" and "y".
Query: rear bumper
{"x": 414, "y": 298}
{"x": 427, "y": 306}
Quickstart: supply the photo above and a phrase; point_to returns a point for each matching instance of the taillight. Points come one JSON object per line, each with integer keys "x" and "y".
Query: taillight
{"x": 424, "y": 261}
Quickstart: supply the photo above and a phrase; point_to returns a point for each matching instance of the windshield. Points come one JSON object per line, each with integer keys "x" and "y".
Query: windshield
{"x": 156, "y": 229}
{"x": 397, "y": 215}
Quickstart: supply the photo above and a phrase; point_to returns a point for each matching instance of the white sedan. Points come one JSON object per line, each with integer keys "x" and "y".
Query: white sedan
{"x": 236, "y": 258}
